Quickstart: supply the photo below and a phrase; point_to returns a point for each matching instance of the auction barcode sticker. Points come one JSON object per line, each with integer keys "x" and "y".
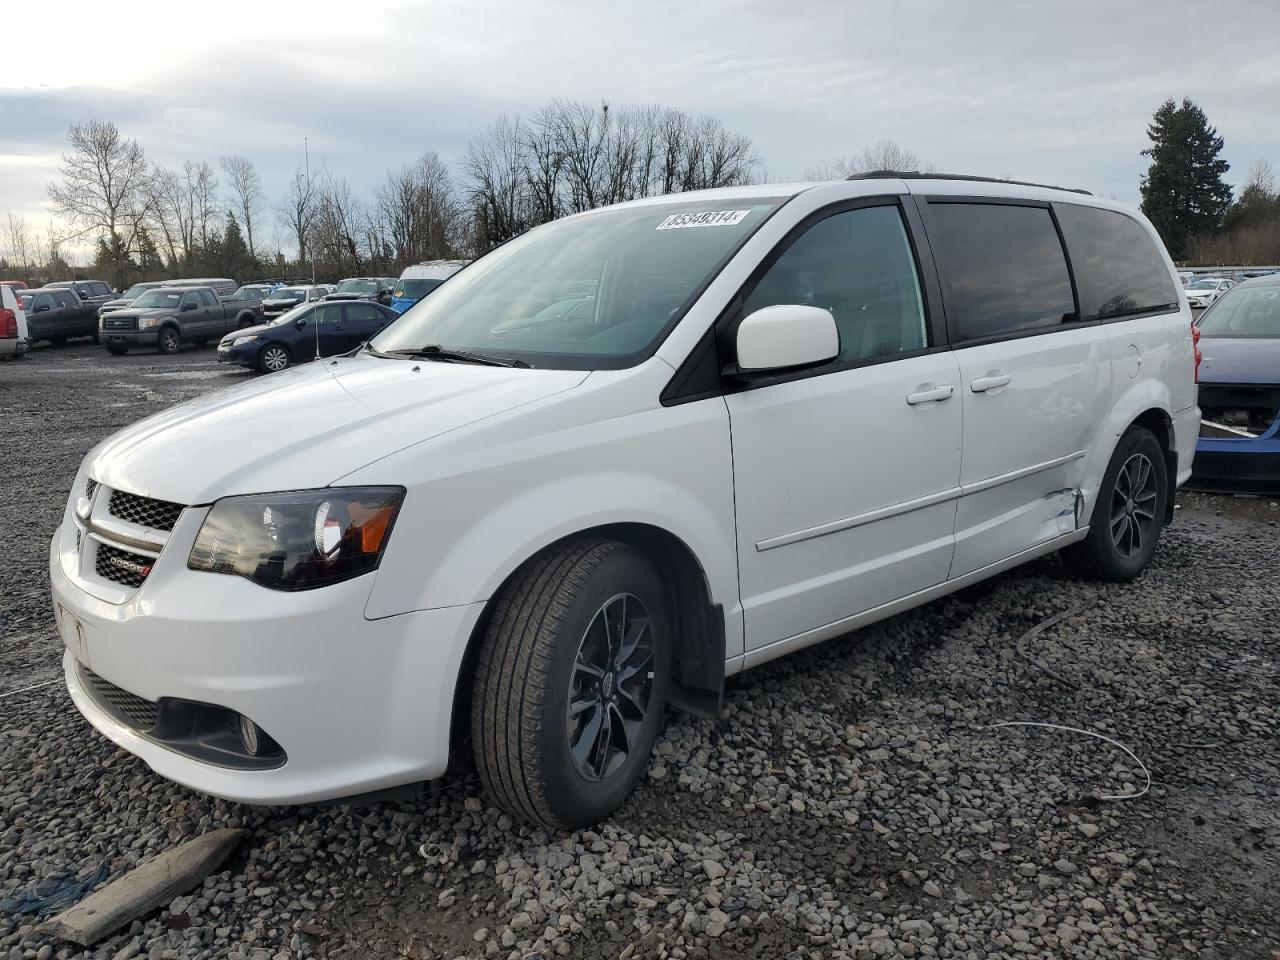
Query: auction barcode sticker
{"x": 708, "y": 218}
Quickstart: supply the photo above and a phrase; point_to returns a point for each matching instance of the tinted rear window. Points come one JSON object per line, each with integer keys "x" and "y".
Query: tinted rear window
{"x": 1117, "y": 266}
{"x": 1005, "y": 267}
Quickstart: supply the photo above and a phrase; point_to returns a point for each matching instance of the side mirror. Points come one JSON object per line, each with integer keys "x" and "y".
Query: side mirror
{"x": 300, "y": 323}
{"x": 785, "y": 337}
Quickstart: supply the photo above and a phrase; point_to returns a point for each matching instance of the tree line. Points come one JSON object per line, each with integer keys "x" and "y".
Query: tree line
{"x": 149, "y": 221}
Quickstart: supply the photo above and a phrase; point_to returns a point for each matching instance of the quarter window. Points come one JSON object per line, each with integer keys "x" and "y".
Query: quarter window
{"x": 328, "y": 313}
{"x": 208, "y": 298}
{"x": 858, "y": 265}
{"x": 1005, "y": 268}
{"x": 1118, "y": 269}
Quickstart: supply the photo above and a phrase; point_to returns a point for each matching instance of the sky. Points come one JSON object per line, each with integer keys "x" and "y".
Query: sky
{"x": 1054, "y": 92}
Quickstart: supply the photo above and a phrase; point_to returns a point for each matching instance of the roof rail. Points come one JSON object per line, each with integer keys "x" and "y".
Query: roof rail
{"x": 917, "y": 175}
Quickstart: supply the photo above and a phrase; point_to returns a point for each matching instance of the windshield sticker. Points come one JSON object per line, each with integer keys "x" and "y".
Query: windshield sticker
{"x": 709, "y": 218}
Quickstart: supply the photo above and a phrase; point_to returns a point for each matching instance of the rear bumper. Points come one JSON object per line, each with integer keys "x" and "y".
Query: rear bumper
{"x": 13, "y": 347}
{"x": 1238, "y": 466}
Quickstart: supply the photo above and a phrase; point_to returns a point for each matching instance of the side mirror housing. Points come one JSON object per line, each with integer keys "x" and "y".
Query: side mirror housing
{"x": 788, "y": 336}
{"x": 187, "y": 306}
{"x": 300, "y": 323}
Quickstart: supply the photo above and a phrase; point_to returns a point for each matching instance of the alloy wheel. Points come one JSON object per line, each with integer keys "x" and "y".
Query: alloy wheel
{"x": 1133, "y": 505}
{"x": 275, "y": 359}
{"x": 610, "y": 686}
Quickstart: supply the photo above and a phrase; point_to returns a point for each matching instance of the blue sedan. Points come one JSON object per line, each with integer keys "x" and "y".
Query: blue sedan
{"x": 1239, "y": 342}
{"x": 323, "y": 329}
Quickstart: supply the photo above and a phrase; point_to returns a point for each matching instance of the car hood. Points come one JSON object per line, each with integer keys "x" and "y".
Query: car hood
{"x": 281, "y": 301}
{"x": 351, "y": 296}
{"x": 116, "y": 304}
{"x": 1240, "y": 360}
{"x": 144, "y": 312}
{"x": 309, "y": 426}
{"x": 257, "y": 330}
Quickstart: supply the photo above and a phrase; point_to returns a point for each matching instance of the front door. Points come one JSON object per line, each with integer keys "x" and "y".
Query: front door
{"x": 1035, "y": 382}
{"x": 845, "y": 477}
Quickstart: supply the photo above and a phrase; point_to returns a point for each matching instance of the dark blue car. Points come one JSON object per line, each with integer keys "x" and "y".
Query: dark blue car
{"x": 1239, "y": 445}
{"x": 327, "y": 327}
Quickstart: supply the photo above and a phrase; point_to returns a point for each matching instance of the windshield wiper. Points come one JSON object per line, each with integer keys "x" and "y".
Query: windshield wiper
{"x": 433, "y": 351}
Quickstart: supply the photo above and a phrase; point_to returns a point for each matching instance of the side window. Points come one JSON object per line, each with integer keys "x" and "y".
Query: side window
{"x": 207, "y": 297}
{"x": 45, "y": 300}
{"x": 329, "y": 313}
{"x": 1005, "y": 268}
{"x": 65, "y": 300}
{"x": 100, "y": 289}
{"x": 858, "y": 265}
{"x": 190, "y": 297}
{"x": 1118, "y": 268}
{"x": 364, "y": 312}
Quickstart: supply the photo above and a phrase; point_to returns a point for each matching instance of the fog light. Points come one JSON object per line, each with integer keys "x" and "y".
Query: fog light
{"x": 249, "y": 735}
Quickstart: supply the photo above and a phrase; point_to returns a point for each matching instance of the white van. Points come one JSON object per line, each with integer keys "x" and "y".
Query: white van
{"x": 782, "y": 412}
{"x": 420, "y": 279}
{"x": 13, "y": 325}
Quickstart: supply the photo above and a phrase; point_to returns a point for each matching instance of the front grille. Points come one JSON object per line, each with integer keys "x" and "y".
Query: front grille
{"x": 138, "y": 713}
{"x": 119, "y": 323}
{"x": 156, "y": 514}
{"x": 121, "y": 566}
{"x": 90, "y": 486}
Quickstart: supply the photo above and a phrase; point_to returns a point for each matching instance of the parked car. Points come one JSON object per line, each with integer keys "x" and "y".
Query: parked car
{"x": 92, "y": 293}
{"x": 1185, "y": 277}
{"x": 222, "y": 286}
{"x": 420, "y": 279}
{"x": 15, "y": 285}
{"x": 284, "y": 299}
{"x": 252, "y": 291}
{"x": 169, "y": 316}
{"x": 129, "y": 296}
{"x": 307, "y": 331}
{"x": 13, "y": 325}
{"x": 56, "y": 314}
{"x": 1200, "y": 293}
{"x": 794, "y": 410}
{"x": 1239, "y": 340}
{"x": 365, "y": 288}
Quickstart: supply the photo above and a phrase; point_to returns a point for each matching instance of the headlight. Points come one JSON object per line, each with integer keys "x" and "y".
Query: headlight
{"x": 239, "y": 340}
{"x": 298, "y": 540}
{"x": 146, "y": 322}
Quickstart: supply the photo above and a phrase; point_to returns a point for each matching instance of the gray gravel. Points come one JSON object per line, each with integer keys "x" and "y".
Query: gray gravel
{"x": 852, "y": 802}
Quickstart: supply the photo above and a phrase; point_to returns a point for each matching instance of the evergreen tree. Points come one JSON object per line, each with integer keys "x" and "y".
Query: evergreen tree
{"x": 236, "y": 260}
{"x": 1183, "y": 193}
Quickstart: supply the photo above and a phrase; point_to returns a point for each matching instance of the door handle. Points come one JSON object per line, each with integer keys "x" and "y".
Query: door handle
{"x": 928, "y": 392}
{"x": 991, "y": 381}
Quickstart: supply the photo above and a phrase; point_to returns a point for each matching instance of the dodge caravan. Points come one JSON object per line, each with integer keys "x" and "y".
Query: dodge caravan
{"x": 783, "y": 412}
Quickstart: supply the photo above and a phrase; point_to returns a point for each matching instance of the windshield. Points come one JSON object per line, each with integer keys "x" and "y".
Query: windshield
{"x": 1204, "y": 285}
{"x": 290, "y": 315}
{"x": 289, "y": 293}
{"x": 254, "y": 292}
{"x": 158, "y": 298}
{"x": 416, "y": 289}
{"x": 135, "y": 291}
{"x": 1244, "y": 312}
{"x": 640, "y": 268}
{"x": 358, "y": 286}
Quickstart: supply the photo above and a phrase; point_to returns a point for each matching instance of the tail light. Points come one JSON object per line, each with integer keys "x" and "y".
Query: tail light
{"x": 1195, "y": 347}
{"x": 8, "y": 323}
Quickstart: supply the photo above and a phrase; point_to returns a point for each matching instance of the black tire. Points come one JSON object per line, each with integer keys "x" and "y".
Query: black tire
{"x": 96, "y": 337}
{"x": 1105, "y": 554}
{"x": 529, "y": 665}
{"x": 273, "y": 358}
{"x": 168, "y": 341}
{"x": 116, "y": 351}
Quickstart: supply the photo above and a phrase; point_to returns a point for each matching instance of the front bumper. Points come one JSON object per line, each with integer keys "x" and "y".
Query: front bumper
{"x": 356, "y": 705}
{"x": 246, "y": 355}
{"x": 129, "y": 338}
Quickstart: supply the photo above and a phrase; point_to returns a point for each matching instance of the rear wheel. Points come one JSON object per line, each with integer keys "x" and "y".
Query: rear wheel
{"x": 571, "y": 683}
{"x": 117, "y": 351}
{"x": 168, "y": 341}
{"x": 1130, "y": 512}
{"x": 273, "y": 358}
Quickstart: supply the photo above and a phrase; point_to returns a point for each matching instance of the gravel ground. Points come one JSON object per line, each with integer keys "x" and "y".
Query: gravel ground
{"x": 853, "y": 801}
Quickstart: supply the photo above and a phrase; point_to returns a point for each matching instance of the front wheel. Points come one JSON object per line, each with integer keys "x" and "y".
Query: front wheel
{"x": 273, "y": 358}
{"x": 571, "y": 683}
{"x": 1129, "y": 513}
{"x": 168, "y": 341}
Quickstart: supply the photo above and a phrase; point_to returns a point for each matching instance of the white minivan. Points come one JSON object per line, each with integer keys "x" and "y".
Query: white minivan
{"x": 781, "y": 412}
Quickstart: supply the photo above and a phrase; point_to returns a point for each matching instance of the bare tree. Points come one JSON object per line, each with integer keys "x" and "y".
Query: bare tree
{"x": 246, "y": 190}
{"x": 104, "y": 188}
{"x": 340, "y": 229}
{"x": 203, "y": 185}
{"x": 173, "y": 215}
{"x": 496, "y": 162}
{"x": 419, "y": 211}
{"x": 882, "y": 155}
{"x": 19, "y": 242}
{"x": 297, "y": 212}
